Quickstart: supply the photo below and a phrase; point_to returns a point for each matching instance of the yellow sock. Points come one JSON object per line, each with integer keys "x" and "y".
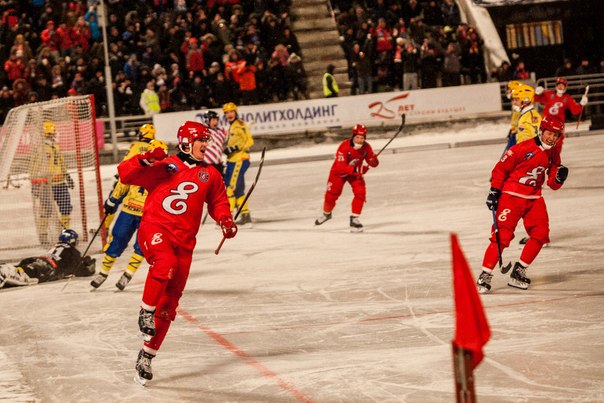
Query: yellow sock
{"x": 134, "y": 263}
{"x": 107, "y": 264}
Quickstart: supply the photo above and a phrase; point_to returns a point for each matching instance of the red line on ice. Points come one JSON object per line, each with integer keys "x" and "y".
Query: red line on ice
{"x": 220, "y": 339}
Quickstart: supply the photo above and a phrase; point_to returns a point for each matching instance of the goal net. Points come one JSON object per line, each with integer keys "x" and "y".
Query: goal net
{"x": 49, "y": 176}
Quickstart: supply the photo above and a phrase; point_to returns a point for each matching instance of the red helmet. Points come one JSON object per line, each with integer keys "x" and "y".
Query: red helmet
{"x": 553, "y": 124}
{"x": 359, "y": 130}
{"x": 191, "y": 131}
{"x": 562, "y": 80}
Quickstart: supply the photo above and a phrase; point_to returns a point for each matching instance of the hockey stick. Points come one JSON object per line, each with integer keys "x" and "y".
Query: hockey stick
{"x": 95, "y": 234}
{"x": 400, "y": 129}
{"x": 247, "y": 196}
{"x": 86, "y": 251}
{"x": 581, "y": 113}
{"x": 496, "y": 229}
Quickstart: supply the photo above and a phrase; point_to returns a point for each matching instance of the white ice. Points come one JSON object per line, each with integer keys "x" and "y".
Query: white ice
{"x": 291, "y": 312}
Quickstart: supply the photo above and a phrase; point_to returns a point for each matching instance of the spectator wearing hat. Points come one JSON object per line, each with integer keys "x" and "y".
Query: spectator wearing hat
{"x": 585, "y": 67}
{"x": 296, "y": 76}
{"x": 330, "y": 85}
{"x": 566, "y": 69}
{"x": 51, "y": 38}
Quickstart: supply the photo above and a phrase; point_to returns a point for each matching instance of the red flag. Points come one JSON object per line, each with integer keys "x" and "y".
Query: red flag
{"x": 471, "y": 327}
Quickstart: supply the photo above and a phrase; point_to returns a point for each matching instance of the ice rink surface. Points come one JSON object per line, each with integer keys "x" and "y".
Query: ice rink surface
{"x": 291, "y": 312}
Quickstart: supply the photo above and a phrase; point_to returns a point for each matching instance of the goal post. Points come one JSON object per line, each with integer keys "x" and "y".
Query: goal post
{"x": 49, "y": 176}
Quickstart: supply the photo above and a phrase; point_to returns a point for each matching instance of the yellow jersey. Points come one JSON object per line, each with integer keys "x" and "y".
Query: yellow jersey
{"x": 240, "y": 136}
{"x": 528, "y": 124}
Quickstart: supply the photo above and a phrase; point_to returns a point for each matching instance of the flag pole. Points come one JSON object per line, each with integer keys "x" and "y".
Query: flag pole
{"x": 464, "y": 375}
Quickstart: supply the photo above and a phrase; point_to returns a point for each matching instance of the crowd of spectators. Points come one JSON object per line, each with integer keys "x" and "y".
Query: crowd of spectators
{"x": 192, "y": 54}
{"x": 408, "y": 44}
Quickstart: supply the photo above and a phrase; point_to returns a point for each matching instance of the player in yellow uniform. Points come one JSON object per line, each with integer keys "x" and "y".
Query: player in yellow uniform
{"x": 238, "y": 161}
{"x": 529, "y": 120}
{"x": 132, "y": 198}
{"x": 512, "y": 85}
{"x": 50, "y": 181}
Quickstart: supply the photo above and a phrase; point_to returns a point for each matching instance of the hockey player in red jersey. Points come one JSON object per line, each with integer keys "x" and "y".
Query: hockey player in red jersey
{"x": 557, "y": 102}
{"x": 516, "y": 193}
{"x": 349, "y": 167}
{"x": 178, "y": 186}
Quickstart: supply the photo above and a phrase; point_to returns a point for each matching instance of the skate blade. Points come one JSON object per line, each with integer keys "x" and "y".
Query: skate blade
{"x": 146, "y": 337}
{"x": 483, "y": 290}
{"x": 356, "y": 230}
{"x": 517, "y": 284}
{"x": 140, "y": 380}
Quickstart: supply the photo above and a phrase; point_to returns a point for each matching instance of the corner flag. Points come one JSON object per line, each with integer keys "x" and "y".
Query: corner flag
{"x": 471, "y": 328}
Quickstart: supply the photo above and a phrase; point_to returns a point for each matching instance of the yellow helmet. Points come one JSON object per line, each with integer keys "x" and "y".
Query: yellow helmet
{"x": 228, "y": 107}
{"x": 146, "y": 131}
{"x": 512, "y": 85}
{"x": 525, "y": 93}
{"x": 50, "y": 129}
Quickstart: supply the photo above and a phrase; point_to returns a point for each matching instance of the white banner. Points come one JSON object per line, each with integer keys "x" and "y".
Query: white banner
{"x": 382, "y": 109}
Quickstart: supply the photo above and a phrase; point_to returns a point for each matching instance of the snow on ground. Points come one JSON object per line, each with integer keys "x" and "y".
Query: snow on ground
{"x": 292, "y": 312}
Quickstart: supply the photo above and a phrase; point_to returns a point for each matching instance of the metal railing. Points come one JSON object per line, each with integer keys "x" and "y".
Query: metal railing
{"x": 126, "y": 127}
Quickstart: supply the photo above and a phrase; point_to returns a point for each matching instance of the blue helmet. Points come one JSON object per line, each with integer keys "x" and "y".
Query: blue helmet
{"x": 69, "y": 237}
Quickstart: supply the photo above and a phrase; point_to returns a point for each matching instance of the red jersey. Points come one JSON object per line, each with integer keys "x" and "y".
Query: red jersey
{"x": 556, "y": 105}
{"x": 175, "y": 201}
{"x": 348, "y": 158}
{"x": 521, "y": 170}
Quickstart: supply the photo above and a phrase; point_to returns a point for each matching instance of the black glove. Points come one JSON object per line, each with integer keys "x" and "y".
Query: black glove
{"x": 230, "y": 150}
{"x": 110, "y": 206}
{"x": 493, "y": 198}
{"x": 70, "y": 183}
{"x": 87, "y": 267}
{"x": 562, "y": 174}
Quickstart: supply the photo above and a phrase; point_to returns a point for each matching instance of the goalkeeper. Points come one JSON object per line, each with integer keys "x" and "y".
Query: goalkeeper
{"x": 49, "y": 179}
{"x": 62, "y": 260}
{"x": 132, "y": 198}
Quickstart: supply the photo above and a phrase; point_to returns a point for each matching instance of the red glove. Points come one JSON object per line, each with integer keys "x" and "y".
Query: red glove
{"x": 229, "y": 228}
{"x": 158, "y": 150}
{"x": 373, "y": 162}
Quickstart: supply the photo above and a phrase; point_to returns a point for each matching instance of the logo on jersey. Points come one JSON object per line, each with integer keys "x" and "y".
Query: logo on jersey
{"x": 176, "y": 204}
{"x": 528, "y": 155}
{"x": 503, "y": 216}
{"x": 203, "y": 175}
{"x": 532, "y": 177}
{"x": 156, "y": 238}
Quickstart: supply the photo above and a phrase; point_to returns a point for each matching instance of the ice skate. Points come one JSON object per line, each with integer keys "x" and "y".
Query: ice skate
{"x": 146, "y": 324}
{"x": 245, "y": 220}
{"x": 323, "y": 218}
{"x": 123, "y": 281}
{"x": 355, "y": 224}
{"x": 98, "y": 280}
{"x": 143, "y": 368}
{"x": 518, "y": 277}
{"x": 484, "y": 282}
